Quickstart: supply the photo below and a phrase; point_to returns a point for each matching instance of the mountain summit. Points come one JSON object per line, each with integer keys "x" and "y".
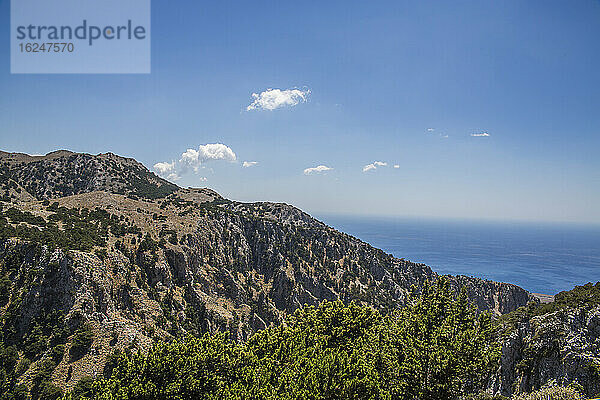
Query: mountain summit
{"x": 64, "y": 173}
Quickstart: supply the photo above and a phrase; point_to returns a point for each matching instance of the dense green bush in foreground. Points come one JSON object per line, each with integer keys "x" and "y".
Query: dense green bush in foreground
{"x": 545, "y": 393}
{"x": 551, "y": 393}
{"x": 436, "y": 348}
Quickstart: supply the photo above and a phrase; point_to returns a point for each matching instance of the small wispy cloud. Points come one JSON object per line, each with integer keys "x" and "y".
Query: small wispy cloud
{"x": 248, "y": 164}
{"x": 272, "y": 99}
{"x": 396, "y": 166}
{"x": 374, "y": 165}
{"x": 480, "y": 134}
{"x": 430, "y": 129}
{"x": 317, "y": 170}
{"x": 195, "y": 160}
{"x": 369, "y": 167}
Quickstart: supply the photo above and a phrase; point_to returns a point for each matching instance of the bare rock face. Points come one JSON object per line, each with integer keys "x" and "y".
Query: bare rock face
{"x": 56, "y": 290}
{"x": 561, "y": 346}
{"x": 499, "y": 298}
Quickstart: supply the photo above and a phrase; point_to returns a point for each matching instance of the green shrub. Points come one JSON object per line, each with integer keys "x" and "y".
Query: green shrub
{"x": 81, "y": 229}
{"x": 551, "y": 393}
{"x": 8, "y": 361}
{"x": 444, "y": 349}
{"x": 20, "y": 392}
{"x": 486, "y": 396}
{"x": 436, "y": 348}
{"x": 43, "y": 371}
{"x": 83, "y": 388}
{"x": 82, "y": 341}
{"x": 42, "y": 385}
{"x": 35, "y": 342}
{"x": 57, "y": 353}
{"x": 17, "y": 216}
{"x": 5, "y": 286}
{"x": 49, "y": 391}
{"x": 22, "y": 366}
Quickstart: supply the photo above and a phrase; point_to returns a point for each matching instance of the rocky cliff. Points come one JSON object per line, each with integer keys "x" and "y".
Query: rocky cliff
{"x": 98, "y": 247}
{"x": 557, "y": 342}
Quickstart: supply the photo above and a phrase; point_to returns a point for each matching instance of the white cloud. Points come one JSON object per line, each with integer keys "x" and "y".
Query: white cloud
{"x": 248, "y": 164}
{"x": 166, "y": 170}
{"x": 195, "y": 160}
{"x": 374, "y": 165}
{"x": 272, "y": 99}
{"x": 369, "y": 167}
{"x": 164, "y": 167}
{"x": 208, "y": 152}
{"x": 442, "y": 135}
{"x": 396, "y": 166}
{"x": 317, "y": 170}
{"x": 481, "y": 134}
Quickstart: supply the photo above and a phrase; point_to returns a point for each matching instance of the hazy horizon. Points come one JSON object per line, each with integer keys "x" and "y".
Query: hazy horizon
{"x": 465, "y": 110}
{"x": 318, "y": 213}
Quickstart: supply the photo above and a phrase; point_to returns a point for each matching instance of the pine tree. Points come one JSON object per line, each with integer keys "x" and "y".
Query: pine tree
{"x": 443, "y": 348}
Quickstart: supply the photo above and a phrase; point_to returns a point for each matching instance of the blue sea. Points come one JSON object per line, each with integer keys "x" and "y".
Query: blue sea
{"x": 542, "y": 258}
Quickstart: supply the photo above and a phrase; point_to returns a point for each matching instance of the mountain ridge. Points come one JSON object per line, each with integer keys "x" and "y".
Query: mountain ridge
{"x": 136, "y": 259}
{"x": 63, "y": 173}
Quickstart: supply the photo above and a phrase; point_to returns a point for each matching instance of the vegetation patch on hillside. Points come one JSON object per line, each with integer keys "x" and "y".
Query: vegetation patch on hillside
{"x": 65, "y": 228}
{"x": 586, "y": 296}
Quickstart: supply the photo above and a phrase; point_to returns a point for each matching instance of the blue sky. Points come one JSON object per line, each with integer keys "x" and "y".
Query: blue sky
{"x": 380, "y": 74}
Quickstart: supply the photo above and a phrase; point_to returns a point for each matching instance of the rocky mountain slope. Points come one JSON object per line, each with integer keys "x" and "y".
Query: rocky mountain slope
{"x": 64, "y": 173}
{"x": 556, "y": 342}
{"x": 97, "y": 253}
